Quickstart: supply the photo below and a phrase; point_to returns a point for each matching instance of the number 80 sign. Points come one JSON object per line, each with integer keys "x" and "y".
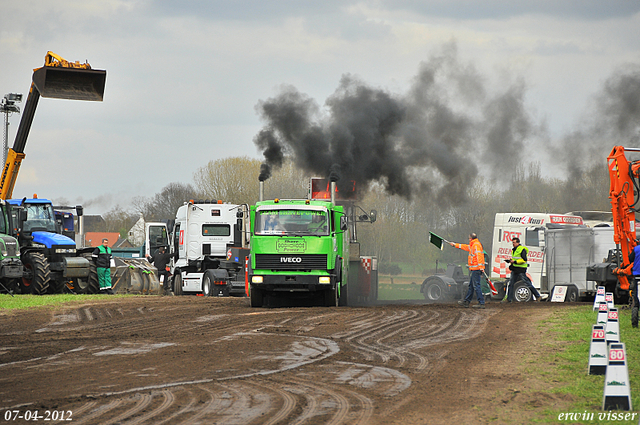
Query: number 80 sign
{"x": 616, "y": 355}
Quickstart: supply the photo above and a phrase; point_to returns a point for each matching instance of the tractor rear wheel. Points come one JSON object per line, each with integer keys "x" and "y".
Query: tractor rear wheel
{"x": 37, "y": 268}
{"x": 434, "y": 291}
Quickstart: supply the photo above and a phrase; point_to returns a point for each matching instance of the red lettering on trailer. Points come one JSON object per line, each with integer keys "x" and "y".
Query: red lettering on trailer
{"x": 181, "y": 236}
{"x": 535, "y": 254}
{"x": 565, "y": 219}
{"x": 507, "y": 236}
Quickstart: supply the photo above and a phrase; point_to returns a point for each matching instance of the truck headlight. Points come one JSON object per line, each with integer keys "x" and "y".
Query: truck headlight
{"x": 256, "y": 279}
{"x": 324, "y": 279}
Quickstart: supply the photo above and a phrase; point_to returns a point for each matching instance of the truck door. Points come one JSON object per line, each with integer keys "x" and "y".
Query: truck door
{"x": 156, "y": 235}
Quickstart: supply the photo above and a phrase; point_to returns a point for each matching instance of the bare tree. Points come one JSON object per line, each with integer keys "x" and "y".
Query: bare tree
{"x": 233, "y": 180}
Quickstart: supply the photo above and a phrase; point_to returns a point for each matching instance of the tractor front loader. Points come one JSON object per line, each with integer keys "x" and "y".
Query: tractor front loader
{"x": 48, "y": 256}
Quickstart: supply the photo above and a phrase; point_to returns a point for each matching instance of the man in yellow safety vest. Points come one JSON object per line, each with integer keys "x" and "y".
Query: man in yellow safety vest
{"x": 518, "y": 266}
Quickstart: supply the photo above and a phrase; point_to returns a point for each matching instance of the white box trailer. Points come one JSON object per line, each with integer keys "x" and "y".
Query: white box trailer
{"x": 568, "y": 254}
{"x": 560, "y": 247}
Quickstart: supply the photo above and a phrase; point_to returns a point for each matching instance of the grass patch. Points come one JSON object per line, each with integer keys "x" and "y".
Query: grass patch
{"x": 394, "y": 292}
{"x": 19, "y": 302}
{"x": 567, "y": 363}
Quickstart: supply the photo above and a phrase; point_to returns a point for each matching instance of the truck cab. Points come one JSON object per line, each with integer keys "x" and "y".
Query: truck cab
{"x": 203, "y": 237}
{"x": 298, "y": 247}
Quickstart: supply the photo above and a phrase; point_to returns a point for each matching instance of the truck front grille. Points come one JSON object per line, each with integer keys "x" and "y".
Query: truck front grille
{"x": 291, "y": 262}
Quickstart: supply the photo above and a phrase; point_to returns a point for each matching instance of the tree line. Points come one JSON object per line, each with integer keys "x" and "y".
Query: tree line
{"x": 401, "y": 233}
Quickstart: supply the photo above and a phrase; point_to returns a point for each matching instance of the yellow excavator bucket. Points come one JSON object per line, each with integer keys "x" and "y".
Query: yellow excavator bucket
{"x": 70, "y": 83}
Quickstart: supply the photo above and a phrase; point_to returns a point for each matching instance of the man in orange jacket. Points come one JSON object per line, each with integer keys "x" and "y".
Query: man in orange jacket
{"x": 475, "y": 262}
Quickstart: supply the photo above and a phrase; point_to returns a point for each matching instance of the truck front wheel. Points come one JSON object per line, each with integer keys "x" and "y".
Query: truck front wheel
{"x": 207, "y": 284}
{"x": 331, "y": 297}
{"x": 177, "y": 283}
{"x": 257, "y": 296}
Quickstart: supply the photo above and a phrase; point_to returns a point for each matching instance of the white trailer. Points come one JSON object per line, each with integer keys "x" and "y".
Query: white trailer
{"x": 560, "y": 247}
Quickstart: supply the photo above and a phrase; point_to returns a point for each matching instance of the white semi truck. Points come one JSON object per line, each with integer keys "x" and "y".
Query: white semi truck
{"x": 210, "y": 243}
{"x": 561, "y": 247}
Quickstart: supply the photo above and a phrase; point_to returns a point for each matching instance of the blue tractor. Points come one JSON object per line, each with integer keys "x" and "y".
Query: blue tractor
{"x": 50, "y": 257}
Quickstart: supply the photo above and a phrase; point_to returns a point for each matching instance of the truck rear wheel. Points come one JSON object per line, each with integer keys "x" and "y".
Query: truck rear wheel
{"x": 177, "y": 283}
{"x": 37, "y": 269}
{"x": 257, "y": 297}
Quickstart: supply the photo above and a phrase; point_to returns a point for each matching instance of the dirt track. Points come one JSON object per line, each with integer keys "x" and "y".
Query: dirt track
{"x": 195, "y": 360}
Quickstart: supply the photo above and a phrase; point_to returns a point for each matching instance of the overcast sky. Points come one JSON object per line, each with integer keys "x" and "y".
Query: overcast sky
{"x": 184, "y": 78}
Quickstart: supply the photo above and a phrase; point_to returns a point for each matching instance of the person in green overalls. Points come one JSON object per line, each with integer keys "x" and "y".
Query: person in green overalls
{"x": 102, "y": 257}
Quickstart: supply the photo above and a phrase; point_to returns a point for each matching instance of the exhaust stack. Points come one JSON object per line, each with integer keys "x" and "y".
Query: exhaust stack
{"x": 261, "y": 191}
{"x": 333, "y": 192}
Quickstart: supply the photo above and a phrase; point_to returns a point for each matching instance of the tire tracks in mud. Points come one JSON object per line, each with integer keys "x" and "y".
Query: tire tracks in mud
{"x": 333, "y": 392}
{"x": 401, "y": 337}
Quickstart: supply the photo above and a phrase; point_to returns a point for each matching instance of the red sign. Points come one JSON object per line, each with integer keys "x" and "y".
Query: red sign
{"x": 613, "y": 315}
{"x": 565, "y": 219}
{"x": 598, "y": 334}
{"x": 181, "y": 236}
{"x": 616, "y": 355}
{"x": 603, "y": 307}
{"x": 601, "y": 291}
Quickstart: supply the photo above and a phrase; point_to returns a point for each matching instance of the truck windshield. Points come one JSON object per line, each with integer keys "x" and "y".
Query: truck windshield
{"x": 292, "y": 222}
{"x": 39, "y": 218}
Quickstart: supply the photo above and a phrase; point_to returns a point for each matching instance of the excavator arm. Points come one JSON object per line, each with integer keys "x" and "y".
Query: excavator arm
{"x": 624, "y": 193}
{"x": 59, "y": 79}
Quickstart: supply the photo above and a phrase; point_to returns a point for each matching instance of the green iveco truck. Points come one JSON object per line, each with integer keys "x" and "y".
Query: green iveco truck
{"x": 306, "y": 248}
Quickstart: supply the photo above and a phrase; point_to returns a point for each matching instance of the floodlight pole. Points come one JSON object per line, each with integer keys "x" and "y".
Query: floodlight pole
{"x": 7, "y": 107}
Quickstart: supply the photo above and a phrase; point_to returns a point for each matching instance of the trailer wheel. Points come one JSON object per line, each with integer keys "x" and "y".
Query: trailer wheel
{"x": 177, "y": 283}
{"x": 257, "y": 296}
{"x": 521, "y": 292}
{"x": 37, "y": 268}
{"x": 572, "y": 294}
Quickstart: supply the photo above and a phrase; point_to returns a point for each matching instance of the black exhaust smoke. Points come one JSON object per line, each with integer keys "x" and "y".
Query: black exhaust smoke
{"x": 428, "y": 141}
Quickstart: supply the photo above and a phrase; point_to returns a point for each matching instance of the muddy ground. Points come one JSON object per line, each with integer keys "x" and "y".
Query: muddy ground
{"x": 196, "y": 360}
